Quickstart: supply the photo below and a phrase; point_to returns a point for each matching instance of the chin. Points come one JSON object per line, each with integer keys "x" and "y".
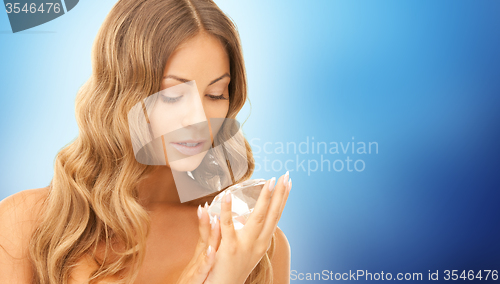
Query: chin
{"x": 188, "y": 164}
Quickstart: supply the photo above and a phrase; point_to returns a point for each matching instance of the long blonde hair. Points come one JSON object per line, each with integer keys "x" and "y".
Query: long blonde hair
{"x": 93, "y": 194}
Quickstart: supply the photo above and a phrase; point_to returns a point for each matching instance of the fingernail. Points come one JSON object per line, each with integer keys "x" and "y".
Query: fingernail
{"x": 285, "y": 179}
{"x": 290, "y": 184}
{"x": 209, "y": 250}
{"x": 206, "y": 205}
{"x": 271, "y": 184}
{"x": 199, "y": 211}
{"x": 228, "y": 197}
{"x": 213, "y": 223}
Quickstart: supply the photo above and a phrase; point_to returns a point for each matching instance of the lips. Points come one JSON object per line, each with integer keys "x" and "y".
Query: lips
{"x": 189, "y": 147}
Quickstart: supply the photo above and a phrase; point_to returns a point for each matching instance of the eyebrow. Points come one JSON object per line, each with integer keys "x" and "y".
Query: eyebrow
{"x": 187, "y": 80}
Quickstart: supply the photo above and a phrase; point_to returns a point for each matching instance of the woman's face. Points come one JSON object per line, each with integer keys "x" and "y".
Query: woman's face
{"x": 194, "y": 90}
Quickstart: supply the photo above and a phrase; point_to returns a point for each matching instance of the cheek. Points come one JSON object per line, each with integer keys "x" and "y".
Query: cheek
{"x": 163, "y": 120}
{"x": 216, "y": 109}
{"x": 216, "y": 116}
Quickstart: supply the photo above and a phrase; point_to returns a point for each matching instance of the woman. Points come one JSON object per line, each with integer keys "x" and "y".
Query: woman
{"x": 105, "y": 217}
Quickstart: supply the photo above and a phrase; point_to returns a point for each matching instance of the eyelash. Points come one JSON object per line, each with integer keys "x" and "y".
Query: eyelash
{"x": 173, "y": 100}
{"x": 220, "y": 97}
{"x": 169, "y": 99}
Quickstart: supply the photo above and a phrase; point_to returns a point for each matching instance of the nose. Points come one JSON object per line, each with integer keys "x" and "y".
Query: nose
{"x": 195, "y": 113}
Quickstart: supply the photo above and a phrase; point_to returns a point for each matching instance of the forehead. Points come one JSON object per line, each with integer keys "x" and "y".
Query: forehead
{"x": 199, "y": 58}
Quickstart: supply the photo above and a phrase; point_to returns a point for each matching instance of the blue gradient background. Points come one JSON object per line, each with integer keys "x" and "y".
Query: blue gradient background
{"x": 420, "y": 78}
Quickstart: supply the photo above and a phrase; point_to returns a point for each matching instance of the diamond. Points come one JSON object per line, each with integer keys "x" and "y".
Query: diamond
{"x": 244, "y": 196}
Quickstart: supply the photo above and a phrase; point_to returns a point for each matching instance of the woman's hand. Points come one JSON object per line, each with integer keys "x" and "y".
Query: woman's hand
{"x": 198, "y": 268}
{"x": 241, "y": 250}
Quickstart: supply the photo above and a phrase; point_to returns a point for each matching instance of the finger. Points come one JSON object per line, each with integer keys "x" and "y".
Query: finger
{"x": 258, "y": 216}
{"x": 283, "y": 203}
{"x": 204, "y": 223}
{"x": 198, "y": 268}
{"x": 215, "y": 234}
{"x": 200, "y": 264}
{"x": 275, "y": 208}
{"x": 204, "y": 230}
{"x": 201, "y": 268}
{"x": 285, "y": 198}
{"x": 226, "y": 219}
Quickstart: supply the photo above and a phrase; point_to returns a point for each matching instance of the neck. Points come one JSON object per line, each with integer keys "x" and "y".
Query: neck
{"x": 158, "y": 188}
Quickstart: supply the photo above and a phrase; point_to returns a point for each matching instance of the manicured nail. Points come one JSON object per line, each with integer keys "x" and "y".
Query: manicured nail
{"x": 228, "y": 197}
{"x": 285, "y": 179}
{"x": 290, "y": 184}
{"x": 209, "y": 250}
{"x": 206, "y": 205}
{"x": 213, "y": 223}
{"x": 271, "y": 184}
{"x": 199, "y": 211}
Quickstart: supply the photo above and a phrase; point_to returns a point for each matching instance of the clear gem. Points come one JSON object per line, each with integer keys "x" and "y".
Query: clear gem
{"x": 244, "y": 196}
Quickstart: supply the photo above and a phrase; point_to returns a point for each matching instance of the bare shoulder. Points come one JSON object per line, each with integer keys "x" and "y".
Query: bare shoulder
{"x": 18, "y": 217}
{"x": 28, "y": 197}
{"x": 281, "y": 258}
{"x": 22, "y": 206}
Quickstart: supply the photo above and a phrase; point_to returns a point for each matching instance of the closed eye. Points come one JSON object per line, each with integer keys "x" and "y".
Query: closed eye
{"x": 220, "y": 97}
{"x": 170, "y": 99}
